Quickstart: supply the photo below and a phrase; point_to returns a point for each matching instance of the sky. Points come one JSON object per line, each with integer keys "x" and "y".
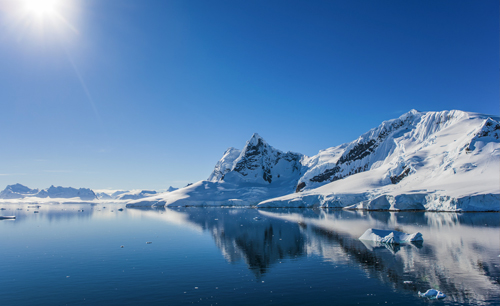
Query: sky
{"x": 132, "y": 94}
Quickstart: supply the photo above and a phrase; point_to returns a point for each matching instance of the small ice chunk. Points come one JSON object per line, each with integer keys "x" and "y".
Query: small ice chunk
{"x": 407, "y": 282}
{"x": 432, "y": 294}
{"x": 390, "y": 237}
{"x": 7, "y": 217}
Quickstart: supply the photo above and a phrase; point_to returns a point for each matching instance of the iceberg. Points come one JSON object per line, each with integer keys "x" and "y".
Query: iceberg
{"x": 432, "y": 294}
{"x": 390, "y": 237}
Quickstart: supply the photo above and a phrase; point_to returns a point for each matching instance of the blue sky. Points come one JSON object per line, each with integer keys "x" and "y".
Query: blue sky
{"x": 147, "y": 94}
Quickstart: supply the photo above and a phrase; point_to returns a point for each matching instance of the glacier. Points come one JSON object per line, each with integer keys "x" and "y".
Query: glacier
{"x": 434, "y": 161}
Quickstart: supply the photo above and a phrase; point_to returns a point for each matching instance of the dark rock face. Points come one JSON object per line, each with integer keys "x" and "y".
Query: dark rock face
{"x": 327, "y": 175}
{"x": 359, "y": 151}
{"x": 331, "y": 174}
{"x": 490, "y": 128}
{"x": 267, "y": 176}
{"x": 251, "y": 158}
{"x": 396, "y": 179}
{"x": 300, "y": 186}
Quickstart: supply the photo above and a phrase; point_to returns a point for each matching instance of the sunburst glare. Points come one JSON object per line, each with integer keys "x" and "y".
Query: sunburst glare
{"x": 42, "y": 17}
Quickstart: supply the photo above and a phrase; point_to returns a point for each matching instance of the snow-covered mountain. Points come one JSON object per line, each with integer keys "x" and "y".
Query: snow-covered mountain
{"x": 170, "y": 189}
{"x": 136, "y": 194}
{"x": 109, "y": 194}
{"x": 18, "y": 191}
{"x": 67, "y": 192}
{"x": 372, "y": 149}
{"x": 448, "y": 160}
{"x": 240, "y": 178}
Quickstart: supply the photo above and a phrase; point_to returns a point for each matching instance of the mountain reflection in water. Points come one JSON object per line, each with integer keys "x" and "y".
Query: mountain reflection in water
{"x": 459, "y": 255}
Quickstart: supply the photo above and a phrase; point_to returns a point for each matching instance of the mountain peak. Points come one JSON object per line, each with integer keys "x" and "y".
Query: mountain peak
{"x": 255, "y": 140}
{"x": 257, "y": 163}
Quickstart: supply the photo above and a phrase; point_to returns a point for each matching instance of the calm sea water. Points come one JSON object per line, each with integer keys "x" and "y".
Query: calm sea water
{"x": 94, "y": 255}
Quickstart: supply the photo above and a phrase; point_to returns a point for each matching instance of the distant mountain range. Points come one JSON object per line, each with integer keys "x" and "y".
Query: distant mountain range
{"x": 442, "y": 161}
{"x": 18, "y": 191}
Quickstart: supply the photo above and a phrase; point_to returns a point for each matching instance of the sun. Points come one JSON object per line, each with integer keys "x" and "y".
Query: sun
{"x": 46, "y": 17}
{"x": 41, "y": 7}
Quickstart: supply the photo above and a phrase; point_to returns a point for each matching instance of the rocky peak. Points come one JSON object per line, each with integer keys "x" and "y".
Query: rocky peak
{"x": 170, "y": 189}
{"x": 258, "y": 162}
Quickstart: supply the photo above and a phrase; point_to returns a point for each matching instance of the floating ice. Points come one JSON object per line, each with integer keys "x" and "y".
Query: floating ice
{"x": 432, "y": 294}
{"x": 7, "y": 217}
{"x": 390, "y": 237}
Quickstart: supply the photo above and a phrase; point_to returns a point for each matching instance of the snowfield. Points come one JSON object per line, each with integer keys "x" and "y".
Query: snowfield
{"x": 435, "y": 161}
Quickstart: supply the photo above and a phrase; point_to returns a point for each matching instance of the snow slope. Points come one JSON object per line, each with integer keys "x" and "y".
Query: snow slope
{"x": 442, "y": 161}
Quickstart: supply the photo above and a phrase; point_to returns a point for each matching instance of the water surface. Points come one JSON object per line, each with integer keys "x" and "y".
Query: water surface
{"x": 95, "y": 255}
